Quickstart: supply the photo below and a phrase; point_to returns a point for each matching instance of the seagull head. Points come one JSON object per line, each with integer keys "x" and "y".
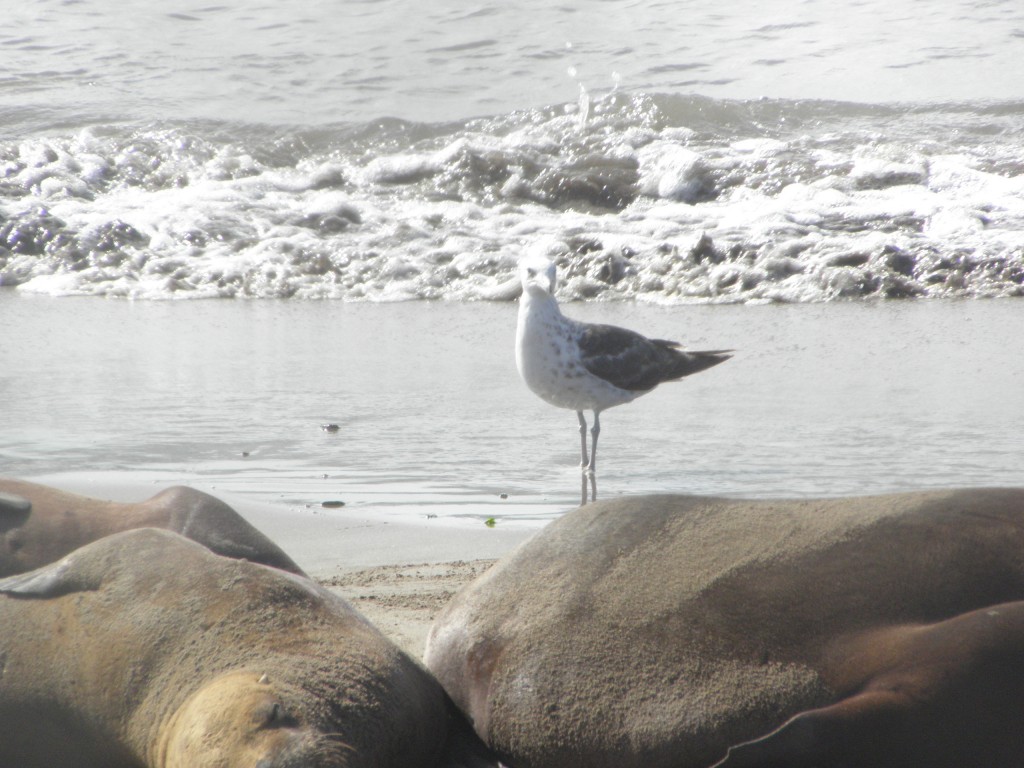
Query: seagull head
{"x": 537, "y": 274}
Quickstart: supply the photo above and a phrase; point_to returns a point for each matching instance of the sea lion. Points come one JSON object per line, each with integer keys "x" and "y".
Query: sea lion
{"x": 944, "y": 694}
{"x": 40, "y": 524}
{"x": 663, "y": 630}
{"x": 146, "y": 649}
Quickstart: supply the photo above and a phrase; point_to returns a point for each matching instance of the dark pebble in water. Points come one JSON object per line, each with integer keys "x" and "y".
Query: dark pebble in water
{"x": 245, "y": 454}
{"x": 332, "y": 504}
{"x": 330, "y": 427}
{"x": 504, "y": 495}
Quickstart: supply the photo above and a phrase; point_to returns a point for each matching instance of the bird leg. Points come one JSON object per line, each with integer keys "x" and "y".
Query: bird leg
{"x": 588, "y": 466}
{"x": 592, "y": 466}
{"x": 584, "y": 461}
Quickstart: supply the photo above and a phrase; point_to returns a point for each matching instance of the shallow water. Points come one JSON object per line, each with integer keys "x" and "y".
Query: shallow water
{"x": 830, "y": 399}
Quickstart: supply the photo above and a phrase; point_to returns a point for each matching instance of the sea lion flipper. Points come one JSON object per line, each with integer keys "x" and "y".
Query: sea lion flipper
{"x": 51, "y": 580}
{"x": 796, "y": 743}
{"x": 824, "y": 736}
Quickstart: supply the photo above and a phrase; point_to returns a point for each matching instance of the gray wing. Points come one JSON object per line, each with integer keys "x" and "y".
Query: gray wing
{"x": 633, "y": 362}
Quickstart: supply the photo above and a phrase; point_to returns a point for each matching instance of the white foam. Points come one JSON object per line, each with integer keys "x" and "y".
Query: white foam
{"x": 638, "y": 208}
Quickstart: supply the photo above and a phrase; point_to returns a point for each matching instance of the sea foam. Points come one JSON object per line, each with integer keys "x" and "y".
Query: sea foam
{"x": 656, "y": 198}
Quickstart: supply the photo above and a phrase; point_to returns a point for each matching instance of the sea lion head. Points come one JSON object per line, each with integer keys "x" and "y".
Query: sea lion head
{"x": 247, "y": 720}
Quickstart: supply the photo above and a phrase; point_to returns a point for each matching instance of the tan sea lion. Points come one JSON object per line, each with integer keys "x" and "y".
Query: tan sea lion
{"x": 144, "y": 649}
{"x": 661, "y": 631}
{"x": 40, "y": 524}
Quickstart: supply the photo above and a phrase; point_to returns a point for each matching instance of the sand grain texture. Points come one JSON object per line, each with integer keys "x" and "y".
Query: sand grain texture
{"x": 403, "y": 600}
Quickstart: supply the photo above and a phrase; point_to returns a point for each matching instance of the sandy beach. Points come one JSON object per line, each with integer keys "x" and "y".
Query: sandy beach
{"x": 417, "y": 570}
{"x": 403, "y": 600}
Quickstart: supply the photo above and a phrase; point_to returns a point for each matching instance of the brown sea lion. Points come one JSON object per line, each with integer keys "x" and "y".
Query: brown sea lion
{"x": 39, "y": 524}
{"x": 944, "y": 694}
{"x": 146, "y": 649}
{"x": 661, "y": 631}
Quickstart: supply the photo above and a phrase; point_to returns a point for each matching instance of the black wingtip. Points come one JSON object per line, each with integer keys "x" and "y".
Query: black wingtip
{"x": 694, "y": 362}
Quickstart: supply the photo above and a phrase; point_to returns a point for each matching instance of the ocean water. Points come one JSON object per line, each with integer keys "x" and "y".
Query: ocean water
{"x": 666, "y": 152}
{"x": 434, "y": 425}
{"x": 837, "y": 192}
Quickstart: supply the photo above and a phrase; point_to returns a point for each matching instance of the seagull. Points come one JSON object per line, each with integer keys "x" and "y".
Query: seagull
{"x": 586, "y": 366}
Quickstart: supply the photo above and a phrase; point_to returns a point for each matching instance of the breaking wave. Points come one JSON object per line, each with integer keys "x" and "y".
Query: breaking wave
{"x": 650, "y": 197}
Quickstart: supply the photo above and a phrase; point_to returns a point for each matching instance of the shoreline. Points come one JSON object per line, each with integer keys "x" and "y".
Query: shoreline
{"x": 434, "y": 421}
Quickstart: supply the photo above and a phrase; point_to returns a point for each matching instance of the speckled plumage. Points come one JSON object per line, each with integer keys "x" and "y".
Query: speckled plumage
{"x": 586, "y": 366}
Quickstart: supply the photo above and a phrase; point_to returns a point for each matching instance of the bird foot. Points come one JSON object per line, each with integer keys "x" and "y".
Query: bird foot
{"x": 589, "y": 477}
